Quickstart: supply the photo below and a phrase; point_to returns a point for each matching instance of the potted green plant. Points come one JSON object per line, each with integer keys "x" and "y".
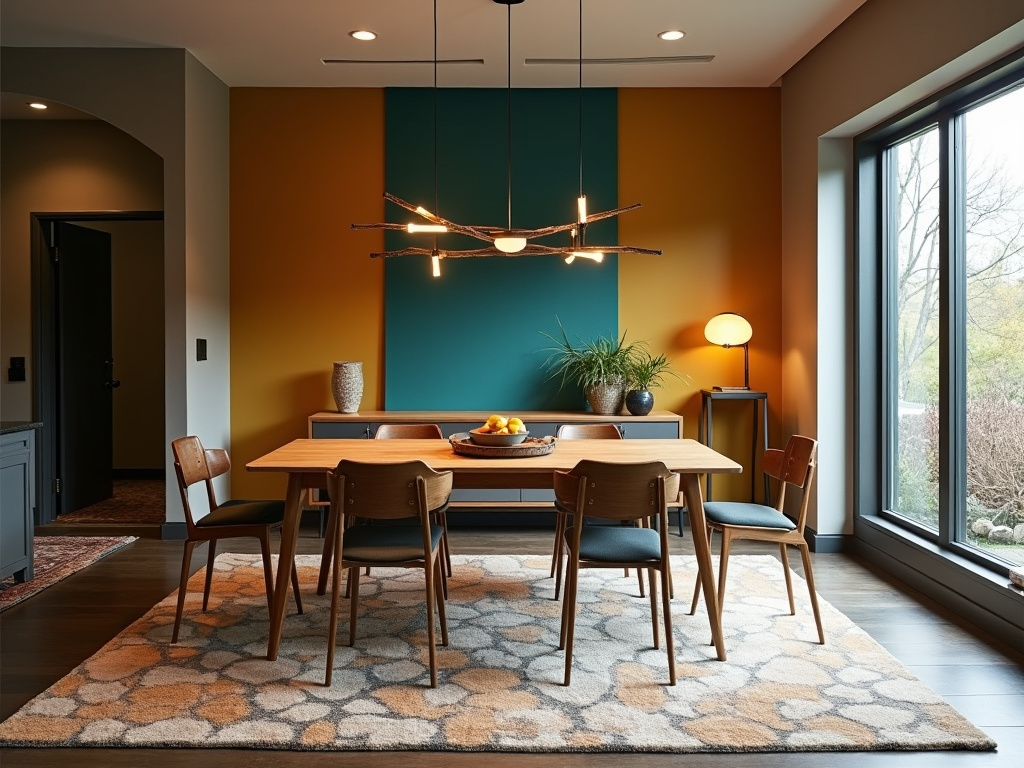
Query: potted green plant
{"x": 600, "y": 367}
{"x": 646, "y": 372}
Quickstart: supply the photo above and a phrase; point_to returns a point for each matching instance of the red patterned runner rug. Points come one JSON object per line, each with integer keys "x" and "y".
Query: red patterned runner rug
{"x": 56, "y": 558}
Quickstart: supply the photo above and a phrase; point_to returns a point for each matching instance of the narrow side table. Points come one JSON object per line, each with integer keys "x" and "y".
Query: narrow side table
{"x": 706, "y": 426}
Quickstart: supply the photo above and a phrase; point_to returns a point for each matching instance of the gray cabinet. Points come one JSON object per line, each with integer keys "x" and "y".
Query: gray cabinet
{"x": 17, "y": 501}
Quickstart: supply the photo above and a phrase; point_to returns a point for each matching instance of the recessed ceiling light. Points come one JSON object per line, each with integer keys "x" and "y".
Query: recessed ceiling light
{"x": 363, "y": 34}
{"x": 37, "y": 105}
{"x": 671, "y": 34}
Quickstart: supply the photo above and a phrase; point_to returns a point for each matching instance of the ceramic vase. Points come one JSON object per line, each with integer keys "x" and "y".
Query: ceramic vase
{"x": 606, "y": 398}
{"x": 347, "y": 386}
{"x": 639, "y": 402}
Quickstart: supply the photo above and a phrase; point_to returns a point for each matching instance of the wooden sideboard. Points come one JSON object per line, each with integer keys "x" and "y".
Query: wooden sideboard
{"x": 331, "y": 424}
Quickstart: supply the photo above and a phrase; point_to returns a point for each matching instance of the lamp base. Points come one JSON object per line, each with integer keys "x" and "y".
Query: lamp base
{"x": 731, "y": 389}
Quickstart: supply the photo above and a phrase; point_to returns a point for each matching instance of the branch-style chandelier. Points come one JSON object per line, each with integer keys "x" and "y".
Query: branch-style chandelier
{"x": 505, "y": 241}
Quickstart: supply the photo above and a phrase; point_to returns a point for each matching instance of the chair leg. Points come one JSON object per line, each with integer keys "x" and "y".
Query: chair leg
{"x": 186, "y": 562}
{"x": 723, "y": 568}
{"x": 569, "y": 615}
{"x": 428, "y": 574}
{"x": 353, "y": 586}
{"x": 557, "y": 548}
{"x": 268, "y": 571}
{"x": 332, "y": 627}
{"x": 441, "y": 613}
{"x": 666, "y": 587}
{"x": 696, "y": 587}
{"x": 805, "y": 553}
{"x": 211, "y": 555}
{"x": 326, "y": 557}
{"x": 442, "y": 520}
{"x": 640, "y": 580}
{"x": 654, "y": 607}
{"x": 789, "y": 578}
{"x": 295, "y": 589}
{"x": 560, "y": 559}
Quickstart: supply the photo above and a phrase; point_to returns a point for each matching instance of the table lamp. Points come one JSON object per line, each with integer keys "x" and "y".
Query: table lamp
{"x": 731, "y": 330}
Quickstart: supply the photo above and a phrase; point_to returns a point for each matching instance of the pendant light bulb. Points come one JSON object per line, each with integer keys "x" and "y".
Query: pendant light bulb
{"x": 435, "y": 262}
{"x": 581, "y": 205}
{"x": 570, "y": 258}
{"x": 413, "y": 228}
{"x": 508, "y": 243}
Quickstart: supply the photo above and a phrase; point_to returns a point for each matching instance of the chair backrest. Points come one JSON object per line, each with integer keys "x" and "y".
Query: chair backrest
{"x": 194, "y": 464}
{"x": 793, "y": 466}
{"x": 588, "y": 432}
{"x": 409, "y": 431}
{"x": 616, "y": 491}
{"x": 387, "y": 491}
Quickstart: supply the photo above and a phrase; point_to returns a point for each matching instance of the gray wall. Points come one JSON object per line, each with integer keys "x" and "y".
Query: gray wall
{"x": 168, "y": 101}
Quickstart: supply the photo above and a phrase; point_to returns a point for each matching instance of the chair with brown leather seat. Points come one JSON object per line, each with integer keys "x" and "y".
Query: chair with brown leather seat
{"x": 232, "y": 519}
{"x": 615, "y": 492}
{"x": 386, "y": 432}
{"x": 736, "y": 520}
{"x": 386, "y": 492}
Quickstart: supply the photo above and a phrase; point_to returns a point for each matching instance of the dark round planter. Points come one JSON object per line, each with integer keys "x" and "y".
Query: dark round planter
{"x": 639, "y": 402}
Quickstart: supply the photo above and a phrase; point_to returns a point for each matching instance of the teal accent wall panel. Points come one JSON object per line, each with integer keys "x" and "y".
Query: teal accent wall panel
{"x": 472, "y": 339}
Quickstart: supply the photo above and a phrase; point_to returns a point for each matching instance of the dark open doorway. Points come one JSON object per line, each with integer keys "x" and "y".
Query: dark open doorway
{"x": 78, "y": 364}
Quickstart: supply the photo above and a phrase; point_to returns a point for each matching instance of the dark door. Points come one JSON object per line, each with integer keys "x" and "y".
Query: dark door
{"x": 85, "y": 367}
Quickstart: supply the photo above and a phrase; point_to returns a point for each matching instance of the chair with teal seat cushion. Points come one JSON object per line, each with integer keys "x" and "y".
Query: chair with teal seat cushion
{"x": 792, "y": 467}
{"x": 417, "y": 431}
{"x": 613, "y": 491}
{"x": 390, "y": 493}
{"x": 235, "y": 518}
{"x": 576, "y": 432}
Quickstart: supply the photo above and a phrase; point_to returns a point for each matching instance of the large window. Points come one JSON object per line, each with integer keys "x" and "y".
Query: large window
{"x": 950, "y": 236}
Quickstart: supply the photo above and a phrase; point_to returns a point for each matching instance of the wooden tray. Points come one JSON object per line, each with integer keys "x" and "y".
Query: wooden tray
{"x": 531, "y": 446}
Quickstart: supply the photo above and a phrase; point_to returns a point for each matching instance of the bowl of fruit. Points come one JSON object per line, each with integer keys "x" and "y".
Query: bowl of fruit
{"x": 500, "y": 431}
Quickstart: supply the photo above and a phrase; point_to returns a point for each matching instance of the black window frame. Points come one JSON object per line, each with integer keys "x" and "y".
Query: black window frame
{"x": 874, "y": 372}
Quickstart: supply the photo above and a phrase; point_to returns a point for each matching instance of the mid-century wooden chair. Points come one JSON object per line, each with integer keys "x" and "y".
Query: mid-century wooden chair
{"x": 614, "y": 491}
{"x": 407, "y": 432}
{"x": 235, "y": 518}
{"x": 576, "y": 432}
{"x": 795, "y": 467}
{"x": 386, "y": 492}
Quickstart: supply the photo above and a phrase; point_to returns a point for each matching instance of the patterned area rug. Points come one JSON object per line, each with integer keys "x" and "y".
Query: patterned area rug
{"x": 56, "y": 558}
{"x": 499, "y": 682}
{"x": 135, "y": 502}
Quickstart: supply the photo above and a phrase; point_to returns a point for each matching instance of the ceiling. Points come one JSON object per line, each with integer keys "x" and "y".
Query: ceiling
{"x": 250, "y": 43}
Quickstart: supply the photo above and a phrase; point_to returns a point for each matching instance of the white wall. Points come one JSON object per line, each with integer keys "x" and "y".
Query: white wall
{"x": 884, "y": 57}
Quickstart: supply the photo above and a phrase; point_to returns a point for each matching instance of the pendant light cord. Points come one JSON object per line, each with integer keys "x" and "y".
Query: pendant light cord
{"x": 581, "y": 98}
{"x": 437, "y": 211}
{"x": 508, "y": 109}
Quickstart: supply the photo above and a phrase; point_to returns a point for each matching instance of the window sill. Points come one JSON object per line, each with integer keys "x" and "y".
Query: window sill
{"x": 978, "y": 594}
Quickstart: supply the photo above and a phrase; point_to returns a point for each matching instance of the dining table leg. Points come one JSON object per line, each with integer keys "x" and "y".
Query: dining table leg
{"x": 286, "y": 561}
{"x": 698, "y": 526}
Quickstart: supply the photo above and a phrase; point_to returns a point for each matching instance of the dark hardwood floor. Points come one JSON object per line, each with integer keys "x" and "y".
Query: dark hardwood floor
{"x": 45, "y": 637}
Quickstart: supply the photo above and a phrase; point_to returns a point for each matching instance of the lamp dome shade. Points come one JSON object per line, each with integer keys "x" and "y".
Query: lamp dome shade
{"x": 728, "y": 330}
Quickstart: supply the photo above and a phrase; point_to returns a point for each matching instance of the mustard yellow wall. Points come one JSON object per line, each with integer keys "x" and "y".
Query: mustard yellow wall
{"x": 305, "y": 164}
{"x": 706, "y": 164}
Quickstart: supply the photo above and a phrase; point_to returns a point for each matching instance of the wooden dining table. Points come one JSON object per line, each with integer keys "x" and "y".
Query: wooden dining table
{"x": 307, "y": 461}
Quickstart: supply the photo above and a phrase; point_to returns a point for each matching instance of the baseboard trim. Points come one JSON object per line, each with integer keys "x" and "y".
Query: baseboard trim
{"x": 828, "y": 543}
{"x": 173, "y": 532}
{"x": 139, "y": 474}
